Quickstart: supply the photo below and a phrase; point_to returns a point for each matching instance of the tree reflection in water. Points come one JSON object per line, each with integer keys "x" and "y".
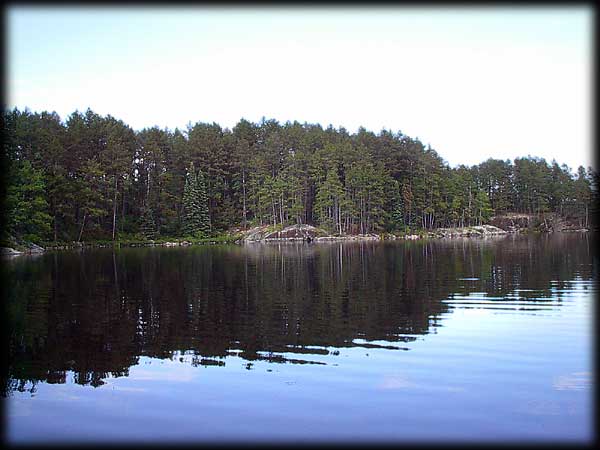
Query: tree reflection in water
{"x": 96, "y": 312}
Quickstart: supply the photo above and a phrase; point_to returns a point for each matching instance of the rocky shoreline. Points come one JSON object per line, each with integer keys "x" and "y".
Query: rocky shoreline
{"x": 474, "y": 231}
{"x": 294, "y": 233}
{"x": 309, "y": 233}
{"x": 499, "y": 226}
{"x": 27, "y": 249}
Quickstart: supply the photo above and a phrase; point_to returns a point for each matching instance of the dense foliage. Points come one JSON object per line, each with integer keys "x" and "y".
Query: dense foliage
{"x": 93, "y": 177}
{"x": 196, "y": 221}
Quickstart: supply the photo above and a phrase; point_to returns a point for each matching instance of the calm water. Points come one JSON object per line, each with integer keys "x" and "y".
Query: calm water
{"x": 456, "y": 340}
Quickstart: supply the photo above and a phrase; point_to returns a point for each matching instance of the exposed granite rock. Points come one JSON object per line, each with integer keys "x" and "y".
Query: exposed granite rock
{"x": 26, "y": 248}
{"x": 356, "y": 237}
{"x": 309, "y": 233}
{"x": 292, "y": 233}
{"x": 7, "y": 251}
{"x": 474, "y": 231}
{"x": 34, "y": 248}
{"x": 255, "y": 234}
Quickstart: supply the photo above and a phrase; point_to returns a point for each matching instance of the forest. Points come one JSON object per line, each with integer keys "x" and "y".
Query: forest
{"x": 93, "y": 177}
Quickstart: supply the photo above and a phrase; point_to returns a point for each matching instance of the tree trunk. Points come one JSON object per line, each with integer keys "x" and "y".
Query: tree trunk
{"x": 245, "y": 220}
{"x": 82, "y": 225}
{"x": 469, "y": 201}
{"x": 123, "y": 210}
{"x": 114, "y": 211}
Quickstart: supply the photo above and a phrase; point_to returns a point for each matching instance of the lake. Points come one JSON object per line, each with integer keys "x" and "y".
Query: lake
{"x": 457, "y": 340}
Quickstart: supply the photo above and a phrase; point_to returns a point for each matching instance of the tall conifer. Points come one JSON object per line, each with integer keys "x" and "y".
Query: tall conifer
{"x": 148, "y": 225}
{"x": 195, "y": 203}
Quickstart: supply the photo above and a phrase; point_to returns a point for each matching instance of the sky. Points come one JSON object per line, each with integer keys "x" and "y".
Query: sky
{"x": 474, "y": 83}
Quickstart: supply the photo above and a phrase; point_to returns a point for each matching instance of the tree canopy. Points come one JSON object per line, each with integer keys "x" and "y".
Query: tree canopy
{"x": 94, "y": 177}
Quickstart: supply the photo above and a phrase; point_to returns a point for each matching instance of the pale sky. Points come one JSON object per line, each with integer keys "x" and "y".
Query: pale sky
{"x": 472, "y": 82}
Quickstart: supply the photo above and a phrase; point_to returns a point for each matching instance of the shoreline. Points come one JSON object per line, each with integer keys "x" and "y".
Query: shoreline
{"x": 246, "y": 237}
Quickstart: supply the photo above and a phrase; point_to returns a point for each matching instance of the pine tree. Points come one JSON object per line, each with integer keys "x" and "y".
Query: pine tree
{"x": 26, "y": 206}
{"x": 195, "y": 203}
{"x": 483, "y": 210}
{"x": 397, "y": 216}
{"x": 190, "y": 204}
{"x": 203, "y": 214}
{"x": 328, "y": 202}
{"x": 148, "y": 225}
{"x": 93, "y": 175}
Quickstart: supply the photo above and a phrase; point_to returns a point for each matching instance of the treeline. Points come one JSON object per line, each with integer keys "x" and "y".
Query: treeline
{"x": 94, "y": 177}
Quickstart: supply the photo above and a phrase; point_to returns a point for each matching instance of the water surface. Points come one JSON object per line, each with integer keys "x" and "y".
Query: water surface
{"x": 447, "y": 340}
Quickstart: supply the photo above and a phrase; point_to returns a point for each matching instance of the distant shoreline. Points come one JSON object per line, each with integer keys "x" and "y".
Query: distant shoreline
{"x": 282, "y": 236}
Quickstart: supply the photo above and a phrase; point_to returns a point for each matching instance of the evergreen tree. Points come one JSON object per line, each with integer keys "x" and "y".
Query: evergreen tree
{"x": 196, "y": 221}
{"x": 26, "y": 206}
{"x": 483, "y": 210}
{"x": 365, "y": 184}
{"x": 148, "y": 225}
{"x": 94, "y": 176}
{"x": 397, "y": 214}
{"x": 329, "y": 202}
{"x": 205, "y": 226}
{"x": 583, "y": 189}
{"x": 595, "y": 200}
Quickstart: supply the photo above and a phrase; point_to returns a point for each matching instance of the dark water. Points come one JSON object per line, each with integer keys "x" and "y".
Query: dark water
{"x": 457, "y": 340}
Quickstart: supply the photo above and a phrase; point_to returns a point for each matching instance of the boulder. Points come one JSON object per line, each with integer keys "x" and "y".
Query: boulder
{"x": 34, "y": 248}
{"x": 9, "y": 251}
{"x": 291, "y": 233}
